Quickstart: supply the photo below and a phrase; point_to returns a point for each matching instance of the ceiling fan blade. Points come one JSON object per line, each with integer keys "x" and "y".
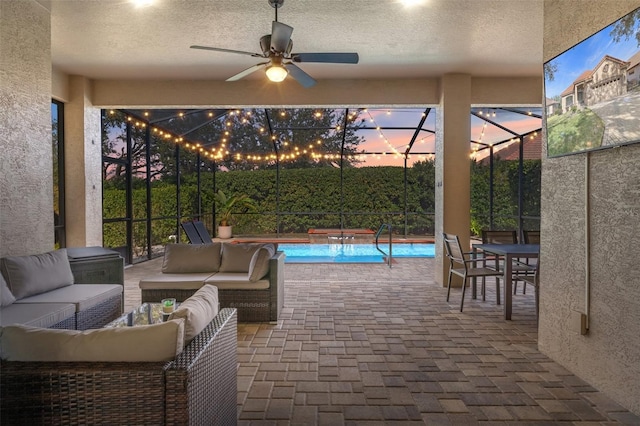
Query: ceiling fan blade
{"x": 280, "y": 36}
{"x": 246, "y": 72}
{"x": 334, "y": 58}
{"x": 217, "y": 49}
{"x": 300, "y": 76}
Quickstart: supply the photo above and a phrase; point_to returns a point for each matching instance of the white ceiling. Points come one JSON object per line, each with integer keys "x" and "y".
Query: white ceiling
{"x": 112, "y": 39}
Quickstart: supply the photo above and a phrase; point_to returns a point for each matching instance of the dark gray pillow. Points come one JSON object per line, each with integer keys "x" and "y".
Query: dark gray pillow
{"x": 6, "y": 297}
{"x": 38, "y": 273}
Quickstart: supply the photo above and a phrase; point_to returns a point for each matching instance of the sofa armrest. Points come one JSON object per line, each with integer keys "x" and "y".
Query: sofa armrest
{"x": 276, "y": 281}
{"x": 201, "y": 383}
{"x": 132, "y": 392}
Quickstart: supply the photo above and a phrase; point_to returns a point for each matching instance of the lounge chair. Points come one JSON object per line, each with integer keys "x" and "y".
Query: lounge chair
{"x": 202, "y": 231}
{"x": 192, "y": 233}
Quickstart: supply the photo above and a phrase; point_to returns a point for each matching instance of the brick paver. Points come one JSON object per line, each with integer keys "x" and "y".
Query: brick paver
{"x": 365, "y": 344}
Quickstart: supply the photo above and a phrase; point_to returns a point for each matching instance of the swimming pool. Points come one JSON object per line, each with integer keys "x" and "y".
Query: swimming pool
{"x": 351, "y": 253}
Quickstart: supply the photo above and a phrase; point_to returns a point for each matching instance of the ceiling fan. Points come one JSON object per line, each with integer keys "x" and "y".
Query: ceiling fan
{"x": 276, "y": 49}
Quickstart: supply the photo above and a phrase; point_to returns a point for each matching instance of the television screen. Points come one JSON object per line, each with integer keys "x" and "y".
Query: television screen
{"x": 592, "y": 91}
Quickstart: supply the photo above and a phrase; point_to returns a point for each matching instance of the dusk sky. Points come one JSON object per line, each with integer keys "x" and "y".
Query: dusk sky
{"x": 585, "y": 56}
{"x": 384, "y": 146}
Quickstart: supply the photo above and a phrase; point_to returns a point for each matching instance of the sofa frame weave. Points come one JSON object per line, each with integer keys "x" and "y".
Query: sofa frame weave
{"x": 198, "y": 387}
{"x": 100, "y": 314}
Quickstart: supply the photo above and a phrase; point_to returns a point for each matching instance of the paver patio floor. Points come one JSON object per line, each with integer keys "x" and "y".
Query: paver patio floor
{"x": 365, "y": 344}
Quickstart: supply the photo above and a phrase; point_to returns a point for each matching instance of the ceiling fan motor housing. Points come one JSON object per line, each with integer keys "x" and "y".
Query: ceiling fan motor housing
{"x": 265, "y": 45}
{"x": 276, "y": 3}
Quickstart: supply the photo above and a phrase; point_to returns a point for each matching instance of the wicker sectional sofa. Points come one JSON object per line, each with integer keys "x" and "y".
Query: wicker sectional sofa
{"x": 249, "y": 277}
{"x": 39, "y": 290}
{"x": 124, "y": 380}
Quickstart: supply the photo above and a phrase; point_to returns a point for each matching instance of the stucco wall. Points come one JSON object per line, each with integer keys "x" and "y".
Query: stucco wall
{"x": 608, "y": 357}
{"x": 26, "y": 197}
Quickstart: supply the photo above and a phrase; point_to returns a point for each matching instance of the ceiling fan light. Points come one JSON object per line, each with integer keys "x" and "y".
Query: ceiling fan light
{"x": 276, "y": 73}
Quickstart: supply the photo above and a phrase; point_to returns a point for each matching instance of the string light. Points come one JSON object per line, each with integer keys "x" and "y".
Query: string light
{"x": 292, "y": 153}
{"x": 380, "y": 134}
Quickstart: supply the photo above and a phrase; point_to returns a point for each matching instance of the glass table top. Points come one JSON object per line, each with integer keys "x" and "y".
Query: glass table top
{"x": 145, "y": 314}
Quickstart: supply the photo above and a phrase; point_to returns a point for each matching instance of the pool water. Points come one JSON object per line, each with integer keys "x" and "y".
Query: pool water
{"x": 351, "y": 253}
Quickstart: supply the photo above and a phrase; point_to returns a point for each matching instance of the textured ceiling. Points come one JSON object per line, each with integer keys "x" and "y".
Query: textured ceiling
{"x": 112, "y": 39}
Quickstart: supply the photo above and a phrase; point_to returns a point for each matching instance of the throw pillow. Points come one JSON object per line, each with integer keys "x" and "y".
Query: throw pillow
{"x": 145, "y": 343}
{"x": 38, "y": 273}
{"x": 237, "y": 257}
{"x": 197, "y": 311}
{"x": 191, "y": 258}
{"x": 6, "y": 297}
{"x": 259, "y": 265}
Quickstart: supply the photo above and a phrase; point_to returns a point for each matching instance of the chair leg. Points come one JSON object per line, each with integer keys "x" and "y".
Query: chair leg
{"x": 497, "y": 291}
{"x": 537, "y": 289}
{"x": 449, "y": 286}
{"x": 515, "y": 287}
{"x": 484, "y": 288}
{"x": 464, "y": 287}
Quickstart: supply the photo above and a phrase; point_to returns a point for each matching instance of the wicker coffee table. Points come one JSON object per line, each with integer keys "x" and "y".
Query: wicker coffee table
{"x": 145, "y": 314}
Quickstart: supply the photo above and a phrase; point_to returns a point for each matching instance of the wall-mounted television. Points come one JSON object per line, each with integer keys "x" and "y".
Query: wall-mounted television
{"x": 592, "y": 91}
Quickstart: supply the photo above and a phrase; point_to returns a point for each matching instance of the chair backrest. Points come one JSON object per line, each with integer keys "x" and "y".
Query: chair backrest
{"x": 453, "y": 248}
{"x": 202, "y": 231}
{"x": 192, "y": 233}
{"x": 499, "y": 237}
{"x": 531, "y": 237}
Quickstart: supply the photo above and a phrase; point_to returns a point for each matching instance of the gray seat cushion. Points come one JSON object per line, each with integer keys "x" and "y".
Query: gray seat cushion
{"x": 191, "y": 281}
{"x": 236, "y": 281}
{"x": 84, "y": 296}
{"x": 36, "y": 314}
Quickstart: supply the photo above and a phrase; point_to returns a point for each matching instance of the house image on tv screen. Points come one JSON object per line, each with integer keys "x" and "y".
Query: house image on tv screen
{"x": 611, "y": 78}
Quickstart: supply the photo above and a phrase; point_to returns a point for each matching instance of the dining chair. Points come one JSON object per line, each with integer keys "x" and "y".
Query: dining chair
{"x": 468, "y": 268}
{"x": 499, "y": 237}
{"x": 192, "y": 234}
{"x": 534, "y": 280}
{"x": 531, "y": 237}
{"x": 504, "y": 237}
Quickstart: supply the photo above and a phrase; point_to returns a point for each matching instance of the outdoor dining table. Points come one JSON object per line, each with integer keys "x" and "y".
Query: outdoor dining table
{"x": 509, "y": 252}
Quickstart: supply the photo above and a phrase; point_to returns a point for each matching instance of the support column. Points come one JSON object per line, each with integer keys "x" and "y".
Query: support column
{"x": 83, "y": 166}
{"x": 453, "y": 185}
{"x": 26, "y": 172}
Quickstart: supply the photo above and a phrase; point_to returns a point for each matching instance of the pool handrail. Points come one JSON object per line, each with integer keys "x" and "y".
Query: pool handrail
{"x": 390, "y": 255}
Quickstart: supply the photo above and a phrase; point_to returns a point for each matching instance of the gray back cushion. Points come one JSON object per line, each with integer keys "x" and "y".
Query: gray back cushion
{"x": 6, "y": 297}
{"x": 259, "y": 265}
{"x": 236, "y": 257}
{"x": 191, "y": 258}
{"x": 38, "y": 273}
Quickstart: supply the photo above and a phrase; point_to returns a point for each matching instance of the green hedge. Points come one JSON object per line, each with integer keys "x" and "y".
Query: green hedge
{"x": 311, "y": 198}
